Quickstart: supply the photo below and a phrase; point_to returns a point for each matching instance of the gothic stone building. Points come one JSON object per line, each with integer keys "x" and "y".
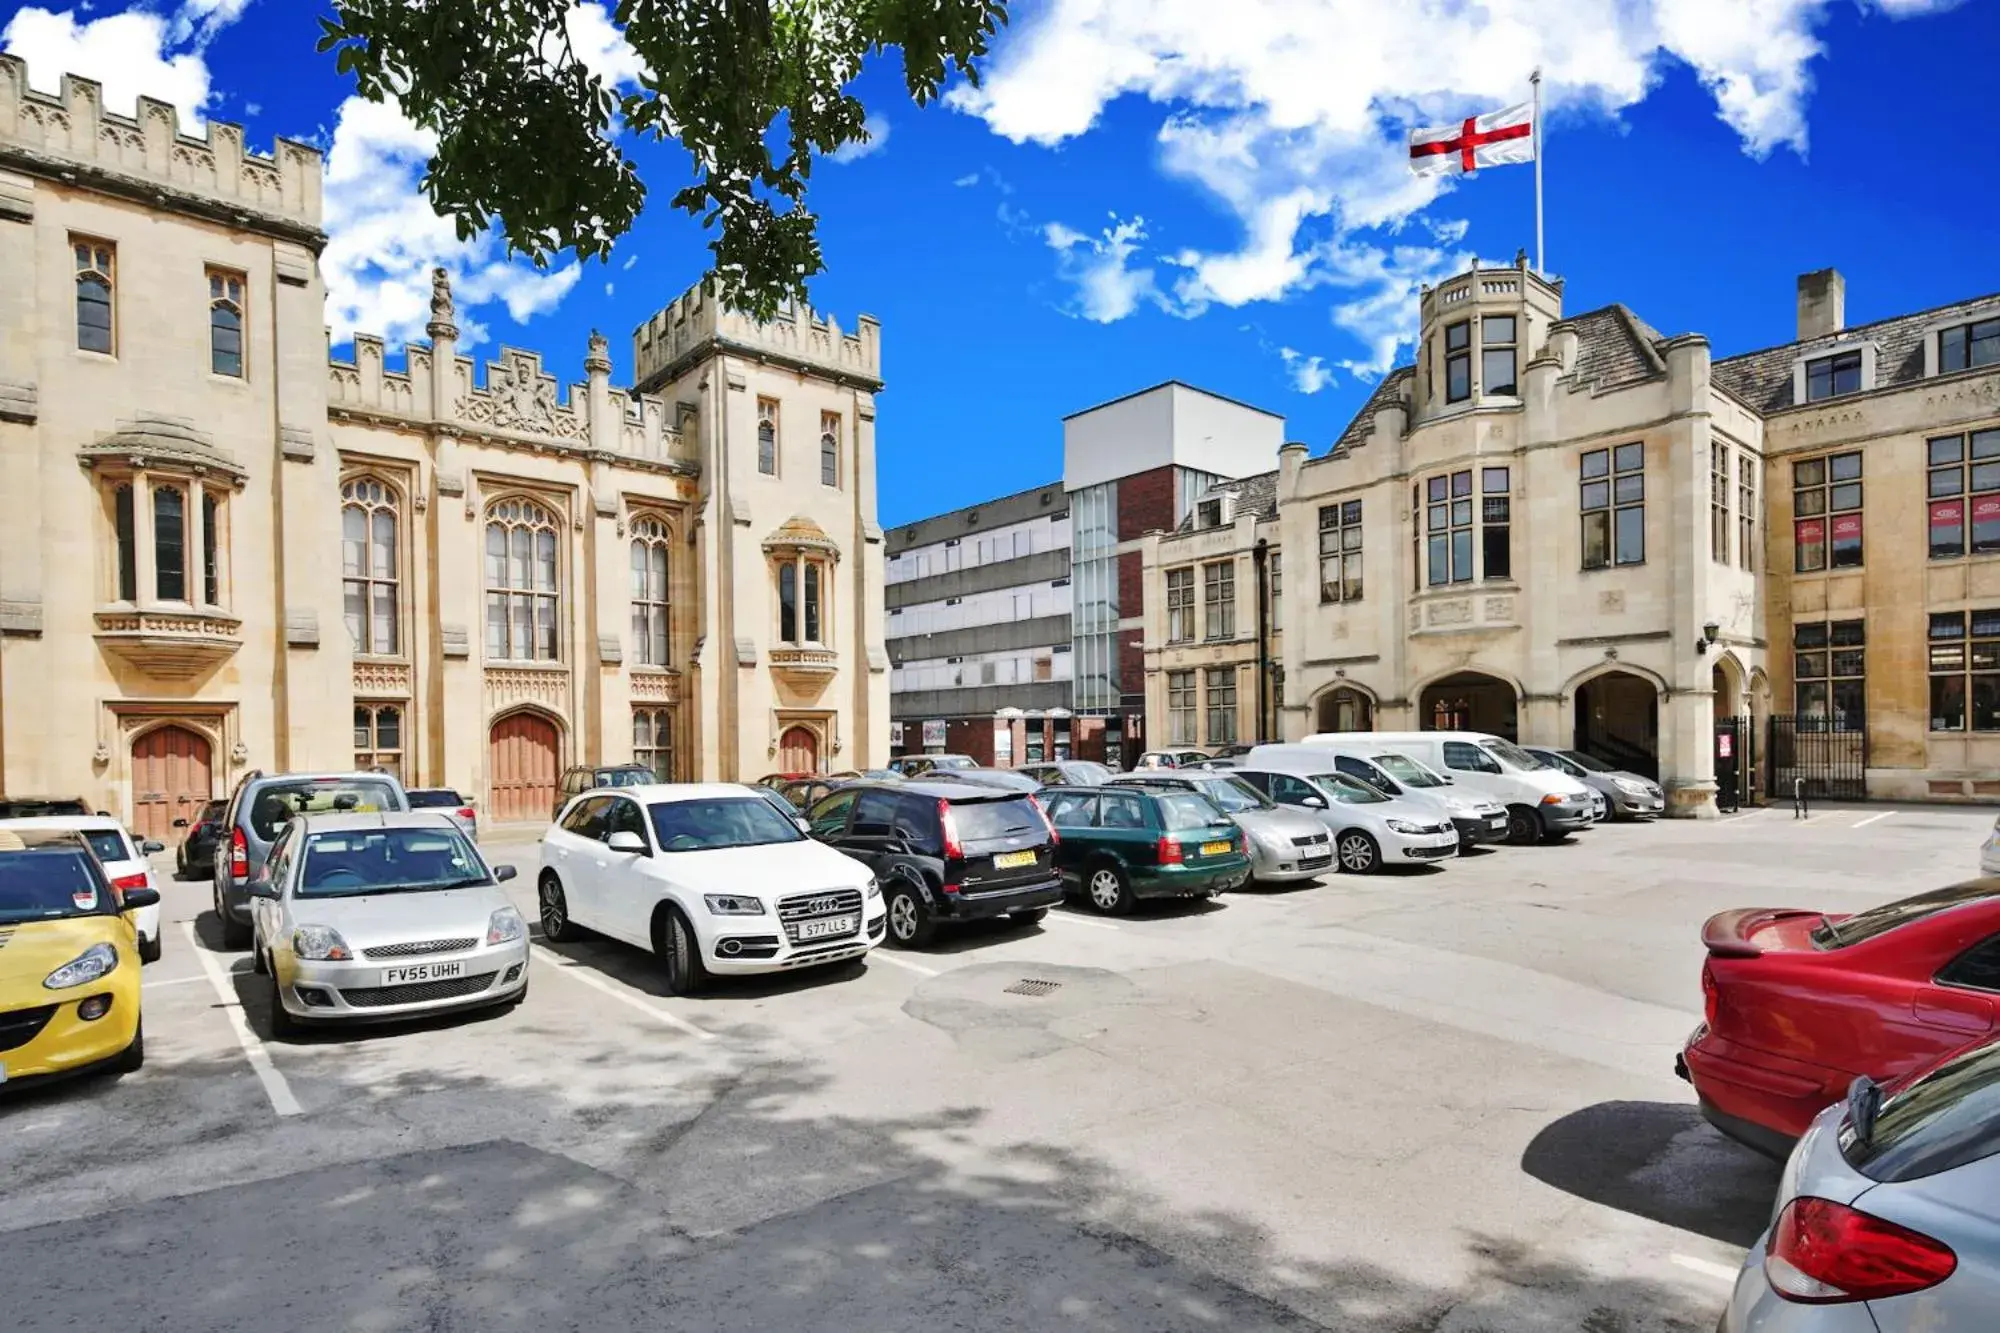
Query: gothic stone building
{"x": 226, "y": 551}
{"x": 1572, "y": 530}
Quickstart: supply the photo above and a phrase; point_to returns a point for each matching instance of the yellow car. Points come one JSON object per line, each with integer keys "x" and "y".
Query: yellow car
{"x": 69, "y": 960}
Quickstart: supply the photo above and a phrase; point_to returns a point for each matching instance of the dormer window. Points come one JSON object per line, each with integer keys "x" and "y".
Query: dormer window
{"x": 1458, "y": 361}
{"x": 1969, "y": 346}
{"x": 1208, "y": 514}
{"x": 1832, "y": 376}
{"x": 1496, "y": 356}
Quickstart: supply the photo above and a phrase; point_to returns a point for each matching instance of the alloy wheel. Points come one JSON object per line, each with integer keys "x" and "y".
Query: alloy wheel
{"x": 1357, "y": 854}
{"x": 555, "y": 912}
{"x": 903, "y": 917}
{"x": 1105, "y": 889}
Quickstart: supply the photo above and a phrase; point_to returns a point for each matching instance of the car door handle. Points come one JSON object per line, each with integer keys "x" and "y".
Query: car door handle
{"x": 1954, "y": 1010}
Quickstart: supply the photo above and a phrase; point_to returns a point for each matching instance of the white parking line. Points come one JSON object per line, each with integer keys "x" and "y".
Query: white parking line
{"x": 1071, "y": 918}
{"x": 884, "y": 956}
{"x": 624, "y": 997}
{"x": 170, "y": 981}
{"x": 1864, "y": 823}
{"x": 1705, "y": 1267}
{"x": 275, "y": 1087}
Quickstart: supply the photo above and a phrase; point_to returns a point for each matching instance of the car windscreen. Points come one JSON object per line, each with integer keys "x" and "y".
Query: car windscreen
{"x": 110, "y": 845}
{"x": 48, "y": 883}
{"x": 710, "y": 823}
{"x": 944, "y": 761}
{"x": 625, "y": 777}
{"x": 1880, "y": 920}
{"x": 434, "y": 798}
{"x": 1187, "y": 809}
{"x": 1560, "y": 762}
{"x": 1945, "y": 1118}
{"x": 347, "y": 863}
{"x": 1087, "y": 774}
{"x": 1348, "y": 790}
{"x": 274, "y": 806}
{"x": 987, "y": 821}
{"x": 1512, "y": 755}
{"x": 1230, "y": 795}
{"x": 1405, "y": 770}
{"x": 41, "y": 809}
{"x": 1588, "y": 763}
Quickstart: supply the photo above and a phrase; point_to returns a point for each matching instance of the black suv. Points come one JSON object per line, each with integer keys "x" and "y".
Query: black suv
{"x": 944, "y": 851}
{"x": 589, "y": 778}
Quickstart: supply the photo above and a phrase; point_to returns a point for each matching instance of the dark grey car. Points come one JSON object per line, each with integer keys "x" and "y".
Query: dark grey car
{"x": 1629, "y": 795}
{"x": 260, "y": 808}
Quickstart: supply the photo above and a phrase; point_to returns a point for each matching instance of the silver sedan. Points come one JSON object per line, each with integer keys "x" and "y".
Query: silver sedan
{"x": 360, "y": 917}
{"x": 1888, "y": 1214}
{"x": 1285, "y": 844}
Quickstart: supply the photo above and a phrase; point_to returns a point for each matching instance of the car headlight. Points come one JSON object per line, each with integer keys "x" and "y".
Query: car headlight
{"x": 95, "y": 962}
{"x": 505, "y": 926}
{"x": 733, "y": 904}
{"x": 321, "y": 944}
{"x": 874, "y": 892}
{"x": 1629, "y": 787}
{"x": 1407, "y": 826}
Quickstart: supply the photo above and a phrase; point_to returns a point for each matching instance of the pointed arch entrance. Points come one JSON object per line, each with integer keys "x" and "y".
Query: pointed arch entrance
{"x": 522, "y": 762}
{"x": 1345, "y": 709}
{"x": 1618, "y": 721}
{"x": 1470, "y": 701}
{"x": 798, "y": 750}
{"x": 171, "y": 779}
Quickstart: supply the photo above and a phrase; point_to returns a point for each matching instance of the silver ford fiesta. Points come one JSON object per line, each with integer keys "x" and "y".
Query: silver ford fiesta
{"x": 365, "y": 917}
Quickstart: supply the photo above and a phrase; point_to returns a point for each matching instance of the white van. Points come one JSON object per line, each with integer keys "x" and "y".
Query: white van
{"x": 1477, "y": 817}
{"x": 1542, "y": 803}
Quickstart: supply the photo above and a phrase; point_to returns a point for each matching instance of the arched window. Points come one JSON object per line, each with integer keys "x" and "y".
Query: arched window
{"x": 653, "y": 741}
{"x": 170, "y": 578}
{"x": 225, "y": 323}
{"x": 368, "y": 565}
{"x": 378, "y": 738}
{"x": 94, "y": 277}
{"x": 649, "y": 593}
{"x": 829, "y": 449}
{"x": 767, "y": 437}
{"x": 521, "y": 583}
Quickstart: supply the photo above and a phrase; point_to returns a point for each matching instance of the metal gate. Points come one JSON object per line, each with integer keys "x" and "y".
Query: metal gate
{"x": 1832, "y": 763}
{"x": 1735, "y": 763}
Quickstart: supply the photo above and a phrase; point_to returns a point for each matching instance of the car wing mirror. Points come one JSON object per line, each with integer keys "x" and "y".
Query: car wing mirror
{"x": 1313, "y": 803}
{"x": 804, "y": 824}
{"x": 149, "y": 846}
{"x": 629, "y": 843}
{"x": 134, "y": 899}
{"x": 501, "y": 874}
{"x": 180, "y": 823}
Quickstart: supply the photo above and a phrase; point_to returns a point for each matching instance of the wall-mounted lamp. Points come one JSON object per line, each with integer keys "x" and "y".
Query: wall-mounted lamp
{"x": 1709, "y": 631}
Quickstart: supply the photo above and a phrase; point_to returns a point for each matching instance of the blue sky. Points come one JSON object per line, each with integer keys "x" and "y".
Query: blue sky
{"x": 1143, "y": 192}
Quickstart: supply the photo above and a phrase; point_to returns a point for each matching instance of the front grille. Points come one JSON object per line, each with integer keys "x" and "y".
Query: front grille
{"x": 18, "y": 1027}
{"x": 420, "y": 948}
{"x": 379, "y": 997}
{"x": 802, "y": 907}
{"x": 1313, "y": 840}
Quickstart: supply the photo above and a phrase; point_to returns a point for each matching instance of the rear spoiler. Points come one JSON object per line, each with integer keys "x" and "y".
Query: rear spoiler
{"x": 1727, "y": 934}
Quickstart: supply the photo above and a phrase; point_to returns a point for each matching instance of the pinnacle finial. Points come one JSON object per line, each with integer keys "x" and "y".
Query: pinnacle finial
{"x": 598, "y": 362}
{"x": 442, "y": 311}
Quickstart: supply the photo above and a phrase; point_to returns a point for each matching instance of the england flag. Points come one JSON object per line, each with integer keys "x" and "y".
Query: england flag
{"x": 1492, "y": 140}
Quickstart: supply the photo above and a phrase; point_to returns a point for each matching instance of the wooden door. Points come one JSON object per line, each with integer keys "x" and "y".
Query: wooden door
{"x": 798, "y": 751}
{"x": 522, "y": 768}
{"x": 170, "y": 780}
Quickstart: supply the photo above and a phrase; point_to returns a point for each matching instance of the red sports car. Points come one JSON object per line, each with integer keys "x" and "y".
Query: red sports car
{"x": 1800, "y": 1002}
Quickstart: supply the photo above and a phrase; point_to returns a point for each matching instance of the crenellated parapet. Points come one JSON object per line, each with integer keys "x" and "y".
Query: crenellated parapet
{"x": 516, "y": 400}
{"x": 72, "y": 136}
{"x": 698, "y": 323}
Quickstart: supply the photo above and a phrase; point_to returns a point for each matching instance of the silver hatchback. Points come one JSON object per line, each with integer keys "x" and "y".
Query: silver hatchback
{"x": 1888, "y": 1214}
{"x": 1285, "y": 844}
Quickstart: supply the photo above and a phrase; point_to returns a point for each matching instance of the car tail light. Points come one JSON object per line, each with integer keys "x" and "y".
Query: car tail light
{"x": 1825, "y": 1253}
{"x": 1711, "y": 995}
{"x": 239, "y": 854}
{"x": 954, "y": 850}
{"x": 1055, "y": 838}
{"x": 466, "y": 812}
{"x": 1170, "y": 852}
{"x": 132, "y": 881}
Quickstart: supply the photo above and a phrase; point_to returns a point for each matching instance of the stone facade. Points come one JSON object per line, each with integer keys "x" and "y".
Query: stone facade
{"x": 228, "y": 551}
{"x": 1574, "y": 531}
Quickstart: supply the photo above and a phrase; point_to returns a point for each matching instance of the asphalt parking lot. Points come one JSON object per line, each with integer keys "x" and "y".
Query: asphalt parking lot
{"x": 1440, "y": 1099}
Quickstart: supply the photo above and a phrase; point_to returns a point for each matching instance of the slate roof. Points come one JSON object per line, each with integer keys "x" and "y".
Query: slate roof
{"x": 1763, "y": 379}
{"x": 1363, "y": 425}
{"x": 1255, "y": 495}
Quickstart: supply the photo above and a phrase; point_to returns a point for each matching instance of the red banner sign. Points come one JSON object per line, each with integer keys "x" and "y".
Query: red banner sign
{"x": 1810, "y": 532}
{"x": 1986, "y": 509}
{"x": 1847, "y": 527}
{"x": 1949, "y": 513}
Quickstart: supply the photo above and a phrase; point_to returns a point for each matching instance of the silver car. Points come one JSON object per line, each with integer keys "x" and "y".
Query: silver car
{"x": 1285, "y": 844}
{"x": 1068, "y": 772}
{"x": 1476, "y": 818}
{"x": 379, "y": 916}
{"x": 449, "y": 803}
{"x": 1626, "y": 795}
{"x": 1888, "y": 1214}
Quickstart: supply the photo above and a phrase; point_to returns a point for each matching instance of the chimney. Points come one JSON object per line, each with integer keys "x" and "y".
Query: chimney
{"x": 1822, "y": 303}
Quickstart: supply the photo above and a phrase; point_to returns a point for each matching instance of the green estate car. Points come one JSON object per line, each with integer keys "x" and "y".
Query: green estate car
{"x": 1122, "y": 845}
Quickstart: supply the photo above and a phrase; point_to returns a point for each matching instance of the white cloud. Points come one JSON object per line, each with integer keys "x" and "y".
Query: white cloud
{"x": 1296, "y": 126}
{"x": 969, "y": 178}
{"x": 198, "y": 21}
{"x": 599, "y": 44}
{"x": 629, "y": 261}
{"x": 128, "y": 53}
{"x": 1309, "y": 373}
{"x": 854, "y": 150}
{"x": 1099, "y": 268}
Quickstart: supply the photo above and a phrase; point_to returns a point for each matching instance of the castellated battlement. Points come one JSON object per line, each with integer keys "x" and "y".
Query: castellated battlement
{"x": 72, "y": 135}
{"x": 698, "y": 322}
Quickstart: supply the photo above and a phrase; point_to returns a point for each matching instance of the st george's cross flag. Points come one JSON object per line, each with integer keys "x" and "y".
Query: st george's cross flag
{"x": 1495, "y": 139}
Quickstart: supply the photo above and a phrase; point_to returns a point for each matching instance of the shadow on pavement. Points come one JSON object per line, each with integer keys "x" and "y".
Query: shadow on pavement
{"x": 1658, "y": 1160}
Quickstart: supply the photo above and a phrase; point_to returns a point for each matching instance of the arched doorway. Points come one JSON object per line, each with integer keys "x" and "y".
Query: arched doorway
{"x": 521, "y": 767}
{"x": 1618, "y": 721}
{"x": 1470, "y": 701}
{"x": 170, "y": 780}
{"x": 1346, "y": 709}
{"x": 798, "y": 751}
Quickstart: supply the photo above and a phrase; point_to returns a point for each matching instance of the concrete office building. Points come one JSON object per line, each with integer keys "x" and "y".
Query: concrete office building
{"x": 1050, "y": 580}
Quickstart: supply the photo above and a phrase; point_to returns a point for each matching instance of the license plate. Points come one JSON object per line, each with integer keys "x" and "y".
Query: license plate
{"x": 1217, "y": 848}
{"x": 1013, "y": 860}
{"x": 832, "y": 925}
{"x": 403, "y": 976}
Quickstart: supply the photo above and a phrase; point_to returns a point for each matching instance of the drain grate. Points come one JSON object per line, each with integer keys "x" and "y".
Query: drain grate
{"x": 1031, "y": 986}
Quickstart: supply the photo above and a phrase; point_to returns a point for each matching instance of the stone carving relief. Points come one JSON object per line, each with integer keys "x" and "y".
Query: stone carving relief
{"x": 519, "y": 397}
{"x": 1456, "y": 612}
{"x": 382, "y": 679}
{"x": 1610, "y": 602}
{"x": 1499, "y": 608}
{"x": 507, "y": 687}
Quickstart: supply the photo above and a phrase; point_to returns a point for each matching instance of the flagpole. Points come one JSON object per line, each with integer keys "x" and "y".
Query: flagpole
{"x": 1536, "y": 80}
